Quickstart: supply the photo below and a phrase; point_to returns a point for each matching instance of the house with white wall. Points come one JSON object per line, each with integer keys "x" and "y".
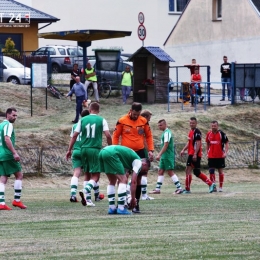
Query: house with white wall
{"x": 160, "y": 17}
{"x": 209, "y": 29}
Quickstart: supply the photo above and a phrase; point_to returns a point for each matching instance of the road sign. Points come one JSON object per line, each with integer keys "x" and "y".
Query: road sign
{"x": 141, "y": 18}
{"x": 141, "y": 31}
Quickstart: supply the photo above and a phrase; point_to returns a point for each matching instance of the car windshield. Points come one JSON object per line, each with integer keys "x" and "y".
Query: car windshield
{"x": 11, "y": 63}
{"x": 75, "y": 51}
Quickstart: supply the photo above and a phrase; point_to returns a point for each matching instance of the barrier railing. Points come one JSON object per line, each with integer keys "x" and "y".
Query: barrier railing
{"x": 173, "y": 87}
{"x": 178, "y": 90}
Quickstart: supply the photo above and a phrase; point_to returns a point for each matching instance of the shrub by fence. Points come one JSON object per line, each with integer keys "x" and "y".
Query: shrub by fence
{"x": 51, "y": 160}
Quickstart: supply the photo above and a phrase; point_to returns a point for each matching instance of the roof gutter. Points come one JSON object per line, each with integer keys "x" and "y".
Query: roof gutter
{"x": 44, "y": 26}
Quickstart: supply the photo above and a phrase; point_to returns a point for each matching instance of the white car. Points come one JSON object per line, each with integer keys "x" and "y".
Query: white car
{"x": 14, "y": 71}
{"x": 62, "y": 57}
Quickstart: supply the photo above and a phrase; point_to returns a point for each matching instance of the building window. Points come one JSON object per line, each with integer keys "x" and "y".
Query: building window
{"x": 256, "y": 5}
{"x": 217, "y": 10}
{"x": 177, "y": 6}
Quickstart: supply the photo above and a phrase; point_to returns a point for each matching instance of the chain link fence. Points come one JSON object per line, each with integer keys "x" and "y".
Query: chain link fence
{"x": 242, "y": 154}
{"x": 51, "y": 160}
{"x": 30, "y": 159}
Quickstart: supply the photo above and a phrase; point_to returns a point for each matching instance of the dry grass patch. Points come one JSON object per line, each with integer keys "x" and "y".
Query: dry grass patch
{"x": 52, "y": 126}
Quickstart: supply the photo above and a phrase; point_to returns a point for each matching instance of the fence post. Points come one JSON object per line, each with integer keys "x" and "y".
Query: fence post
{"x": 255, "y": 161}
{"x": 232, "y": 83}
{"x": 208, "y": 84}
{"x": 174, "y": 154}
{"x": 177, "y": 79}
{"x": 1, "y": 68}
{"x": 40, "y": 159}
{"x": 255, "y": 153}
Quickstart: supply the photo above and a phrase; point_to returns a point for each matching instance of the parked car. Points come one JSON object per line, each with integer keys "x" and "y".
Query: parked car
{"x": 112, "y": 75}
{"x": 62, "y": 56}
{"x": 14, "y": 71}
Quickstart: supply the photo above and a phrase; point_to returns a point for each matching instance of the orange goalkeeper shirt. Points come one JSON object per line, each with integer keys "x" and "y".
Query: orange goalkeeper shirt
{"x": 133, "y": 133}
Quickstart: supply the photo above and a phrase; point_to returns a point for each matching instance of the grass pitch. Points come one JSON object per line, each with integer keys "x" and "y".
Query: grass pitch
{"x": 191, "y": 226}
{"x": 196, "y": 226}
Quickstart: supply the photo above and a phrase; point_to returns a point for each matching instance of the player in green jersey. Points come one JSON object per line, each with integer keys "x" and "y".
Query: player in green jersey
{"x": 91, "y": 129}
{"x": 115, "y": 161}
{"x": 9, "y": 161}
{"x": 77, "y": 163}
{"x": 166, "y": 158}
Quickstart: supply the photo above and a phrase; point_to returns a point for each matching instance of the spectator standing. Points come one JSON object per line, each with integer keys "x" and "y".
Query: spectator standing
{"x": 193, "y": 66}
{"x": 91, "y": 128}
{"x": 195, "y": 86}
{"x": 115, "y": 161}
{"x": 91, "y": 77}
{"x": 126, "y": 83}
{"x": 133, "y": 130}
{"x": 74, "y": 73}
{"x": 242, "y": 94}
{"x": 225, "y": 69}
{"x": 81, "y": 95}
{"x": 166, "y": 158}
{"x": 194, "y": 148}
{"x": 217, "y": 149}
{"x": 10, "y": 161}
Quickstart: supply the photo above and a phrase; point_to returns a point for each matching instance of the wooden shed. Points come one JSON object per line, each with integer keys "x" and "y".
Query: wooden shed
{"x": 151, "y": 75}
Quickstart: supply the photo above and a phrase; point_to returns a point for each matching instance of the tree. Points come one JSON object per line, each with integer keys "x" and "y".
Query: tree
{"x": 10, "y": 48}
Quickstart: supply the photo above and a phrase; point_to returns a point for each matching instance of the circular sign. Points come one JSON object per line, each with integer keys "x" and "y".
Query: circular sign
{"x": 141, "y": 31}
{"x": 141, "y": 18}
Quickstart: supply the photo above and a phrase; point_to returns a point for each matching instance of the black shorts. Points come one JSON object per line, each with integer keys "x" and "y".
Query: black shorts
{"x": 217, "y": 163}
{"x": 139, "y": 174}
{"x": 72, "y": 82}
{"x": 193, "y": 164}
{"x": 141, "y": 153}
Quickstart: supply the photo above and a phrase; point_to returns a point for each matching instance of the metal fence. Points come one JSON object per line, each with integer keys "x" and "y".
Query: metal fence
{"x": 51, "y": 160}
{"x": 242, "y": 154}
{"x": 244, "y": 86}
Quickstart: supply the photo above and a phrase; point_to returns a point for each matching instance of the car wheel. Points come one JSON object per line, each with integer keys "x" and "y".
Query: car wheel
{"x": 55, "y": 68}
{"x": 13, "y": 80}
{"x": 105, "y": 90}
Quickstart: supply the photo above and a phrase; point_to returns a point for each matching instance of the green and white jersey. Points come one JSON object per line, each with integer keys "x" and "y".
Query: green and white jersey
{"x": 167, "y": 137}
{"x": 91, "y": 128}
{"x": 127, "y": 156}
{"x": 77, "y": 144}
{"x": 6, "y": 129}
